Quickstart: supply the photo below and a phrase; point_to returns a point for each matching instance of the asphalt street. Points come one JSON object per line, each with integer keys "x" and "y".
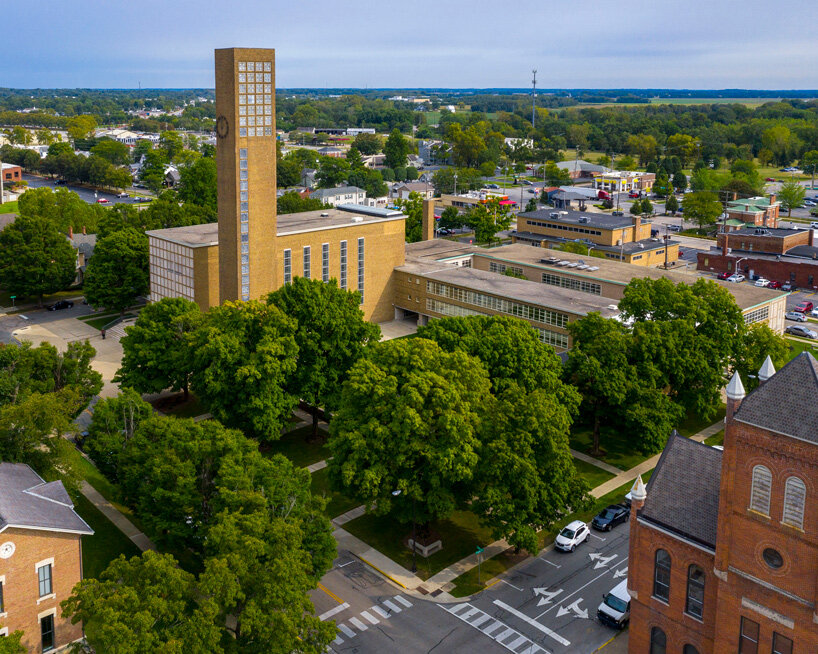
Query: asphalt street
{"x": 85, "y": 193}
{"x": 547, "y": 605}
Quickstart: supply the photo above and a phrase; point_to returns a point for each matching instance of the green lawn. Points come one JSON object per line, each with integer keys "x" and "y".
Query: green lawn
{"x": 95, "y": 316}
{"x": 5, "y": 297}
{"x": 467, "y": 584}
{"x": 460, "y": 534}
{"x": 99, "y": 322}
{"x": 694, "y": 424}
{"x": 337, "y": 503}
{"x": 105, "y": 545}
{"x": 715, "y": 439}
{"x": 295, "y": 447}
{"x": 9, "y": 207}
{"x": 798, "y": 345}
{"x": 591, "y": 474}
{"x": 190, "y": 409}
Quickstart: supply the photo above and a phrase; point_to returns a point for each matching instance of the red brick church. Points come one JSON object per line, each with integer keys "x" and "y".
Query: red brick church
{"x": 724, "y": 545}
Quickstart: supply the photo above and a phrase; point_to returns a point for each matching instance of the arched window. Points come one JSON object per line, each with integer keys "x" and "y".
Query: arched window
{"x": 760, "y": 493}
{"x": 795, "y": 496}
{"x": 658, "y": 641}
{"x": 661, "y": 576}
{"x": 689, "y": 649}
{"x": 695, "y": 591}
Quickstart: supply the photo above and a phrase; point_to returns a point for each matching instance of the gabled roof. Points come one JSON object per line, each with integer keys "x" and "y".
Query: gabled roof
{"x": 683, "y": 493}
{"x": 28, "y": 502}
{"x": 332, "y": 192}
{"x": 798, "y": 383}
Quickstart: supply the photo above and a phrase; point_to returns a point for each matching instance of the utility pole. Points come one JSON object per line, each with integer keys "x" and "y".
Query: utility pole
{"x": 534, "y": 99}
{"x": 1, "y": 181}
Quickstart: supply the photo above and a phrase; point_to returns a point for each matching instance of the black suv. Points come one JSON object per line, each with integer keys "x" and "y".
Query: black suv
{"x": 611, "y": 516}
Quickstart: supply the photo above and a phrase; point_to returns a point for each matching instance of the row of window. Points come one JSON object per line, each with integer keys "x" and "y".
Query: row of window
{"x": 694, "y": 604}
{"x": 552, "y": 338}
{"x": 658, "y": 643}
{"x": 574, "y": 284}
{"x": 795, "y": 496}
{"x": 748, "y": 641}
{"x": 564, "y": 227}
{"x": 501, "y": 268}
{"x": 45, "y": 587}
{"x": 446, "y": 309}
{"x": 307, "y": 265}
{"x": 245, "y": 227}
{"x": 526, "y": 311}
{"x": 757, "y": 315}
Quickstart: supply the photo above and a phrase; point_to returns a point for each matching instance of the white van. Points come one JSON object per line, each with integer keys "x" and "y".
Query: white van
{"x": 615, "y": 609}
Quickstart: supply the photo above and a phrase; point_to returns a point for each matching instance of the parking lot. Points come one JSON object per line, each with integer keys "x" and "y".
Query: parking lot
{"x": 89, "y": 195}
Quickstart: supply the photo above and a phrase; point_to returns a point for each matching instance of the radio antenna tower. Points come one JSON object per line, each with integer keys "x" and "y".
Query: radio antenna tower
{"x": 534, "y": 99}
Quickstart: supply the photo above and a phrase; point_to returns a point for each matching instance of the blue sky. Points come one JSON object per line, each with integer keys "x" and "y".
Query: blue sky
{"x": 442, "y": 43}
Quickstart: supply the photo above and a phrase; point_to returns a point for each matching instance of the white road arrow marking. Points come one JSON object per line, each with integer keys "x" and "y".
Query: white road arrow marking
{"x": 601, "y": 561}
{"x": 621, "y": 573}
{"x": 546, "y": 597}
{"x": 580, "y": 613}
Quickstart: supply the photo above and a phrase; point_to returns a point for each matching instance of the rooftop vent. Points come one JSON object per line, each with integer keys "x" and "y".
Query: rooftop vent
{"x": 554, "y": 214}
{"x": 324, "y": 214}
{"x": 593, "y": 268}
{"x": 583, "y": 219}
{"x": 357, "y": 219}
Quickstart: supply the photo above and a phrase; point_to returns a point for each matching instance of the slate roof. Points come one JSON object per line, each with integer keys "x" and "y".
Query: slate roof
{"x": 683, "y": 493}
{"x": 798, "y": 382}
{"x": 28, "y": 502}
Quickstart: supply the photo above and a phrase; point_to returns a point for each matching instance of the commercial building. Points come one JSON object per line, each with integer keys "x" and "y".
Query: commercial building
{"x": 757, "y": 211}
{"x": 624, "y": 238}
{"x": 11, "y": 172}
{"x": 470, "y": 199}
{"x": 619, "y": 181}
{"x": 581, "y": 171}
{"x": 723, "y": 545}
{"x": 40, "y": 558}
{"x": 251, "y": 251}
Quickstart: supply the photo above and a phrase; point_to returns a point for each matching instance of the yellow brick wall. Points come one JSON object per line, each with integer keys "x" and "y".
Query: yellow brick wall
{"x": 206, "y": 276}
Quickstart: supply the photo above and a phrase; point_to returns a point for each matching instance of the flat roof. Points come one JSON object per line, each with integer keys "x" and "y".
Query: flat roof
{"x": 618, "y": 272}
{"x": 589, "y": 218}
{"x": 631, "y": 247}
{"x": 439, "y": 248}
{"x": 766, "y": 231}
{"x": 522, "y": 290}
{"x": 290, "y": 223}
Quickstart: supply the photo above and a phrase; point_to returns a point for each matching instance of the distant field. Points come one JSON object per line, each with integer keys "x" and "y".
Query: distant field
{"x": 753, "y": 102}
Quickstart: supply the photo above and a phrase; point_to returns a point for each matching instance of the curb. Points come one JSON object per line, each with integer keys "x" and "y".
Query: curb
{"x": 381, "y": 572}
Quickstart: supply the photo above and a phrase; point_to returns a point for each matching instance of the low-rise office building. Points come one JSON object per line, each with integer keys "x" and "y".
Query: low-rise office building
{"x": 11, "y": 172}
{"x": 40, "y": 558}
{"x": 623, "y": 238}
{"x": 757, "y": 211}
{"x": 619, "y": 181}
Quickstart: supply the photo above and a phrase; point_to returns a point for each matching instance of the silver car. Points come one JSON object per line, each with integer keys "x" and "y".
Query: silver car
{"x": 802, "y": 331}
{"x": 796, "y": 316}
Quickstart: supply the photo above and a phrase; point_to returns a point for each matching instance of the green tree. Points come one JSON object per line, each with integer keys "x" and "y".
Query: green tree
{"x": 679, "y": 181}
{"x": 152, "y": 173}
{"x": 367, "y": 143}
{"x": 113, "y": 151}
{"x": 636, "y": 207}
{"x": 408, "y": 421}
{"x": 197, "y": 183}
{"x": 12, "y": 644}
{"x": 556, "y": 176}
{"x": 791, "y": 195}
{"x": 143, "y": 605}
{"x": 625, "y": 162}
{"x": 779, "y": 140}
{"x": 758, "y": 343}
{"x": 488, "y": 219}
{"x": 155, "y": 353}
{"x": 369, "y": 180}
{"x": 38, "y": 260}
{"x": 118, "y": 272}
{"x": 332, "y": 172}
{"x": 702, "y": 207}
{"x": 683, "y": 146}
{"x": 642, "y": 145}
{"x": 396, "y": 149}
{"x": 531, "y": 205}
{"x": 647, "y": 207}
{"x": 244, "y": 353}
{"x": 172, "y": 143}
{"x": 450, "y": 219}
{"x": 292, "y": 202}
{"x": 81, "y": 127}
{"x": 809, "y": 164}
{"x": 331, "y": 336}
{"x": 671, "y": 205}
{"x": 413, "y": 210}
{"x": 62, "y": 207}
{"x": 288, "y": 169}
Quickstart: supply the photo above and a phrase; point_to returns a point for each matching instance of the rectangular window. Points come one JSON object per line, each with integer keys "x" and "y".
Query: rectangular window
{"x": 47, "y": 632}
{"x": 361, "y": 268}
{"x": 44, "y": 578}
{"x": 343, "y": 279}
{"x": 748, "y": 637}
{"x": 325, "y": 262}
{"x": 288, "y": 266}
{"x": 306, "y": 262}
{"x": 781, "y": 644}
{"x": 2, "y": 601}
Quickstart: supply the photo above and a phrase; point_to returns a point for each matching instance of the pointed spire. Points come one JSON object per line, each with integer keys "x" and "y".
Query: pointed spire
{"x": 767, "y": 370}
{"x": 735, "y": 389}
{"x": 638, "y": 491}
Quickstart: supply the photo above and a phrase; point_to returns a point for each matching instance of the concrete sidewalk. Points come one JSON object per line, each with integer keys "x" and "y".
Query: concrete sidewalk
{"x": 112, "y": 513}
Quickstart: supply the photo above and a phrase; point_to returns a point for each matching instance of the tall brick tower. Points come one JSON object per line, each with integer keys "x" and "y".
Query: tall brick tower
{"x": 246, "y": 165}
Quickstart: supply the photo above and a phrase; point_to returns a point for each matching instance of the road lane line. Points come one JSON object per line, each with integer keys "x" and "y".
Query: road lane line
{"x": 347, "y": 631}
{"x": 380, "y": 612}
{"x": 549, "y": 562}
{"x": 512, "y": 585}
{"x": 357, "y": 623}
{"x": 533, "y": 623}
{"x": 330, "y": 593}
{"x": 403, "y": 601}
{"x": 392, "y": 607}
{"x": 371, "y": 618}
{"x": 601, "y": 574}
{"x": 599, "y": 537}
{"x": 328, "y": 614}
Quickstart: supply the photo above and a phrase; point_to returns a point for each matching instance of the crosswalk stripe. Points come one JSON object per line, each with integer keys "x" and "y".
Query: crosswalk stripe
{"x": 517, "y": 642}
{"x": 392, "y": 607}
{"x": 403, "y": 601}
{"x": 480, "y": 620}
{"x": 457, "y": 608}
{"x": 465, "y": 616}
{"x": 508, "y": 632}
{"x": 372, "y": 619}
{"x": 380, "y": 612}
{"x": 357, "y": 623}
{"x": 347, "y": 631}
{"x": 338, "y": 640}
{"x": 492, "y": 627}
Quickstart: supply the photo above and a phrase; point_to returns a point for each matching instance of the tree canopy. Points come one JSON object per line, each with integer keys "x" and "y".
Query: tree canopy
{"x": 118, "y": 272}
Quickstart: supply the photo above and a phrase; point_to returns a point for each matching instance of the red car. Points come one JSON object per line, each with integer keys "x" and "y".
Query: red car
{"x": 633, "y": 194}
{"x": 102, "y": 201}
{"x": 723, "y": 275}
{"x": 769, "y": 179}
{"x": 774, "y": 285}
{"x": 803, "y": 307}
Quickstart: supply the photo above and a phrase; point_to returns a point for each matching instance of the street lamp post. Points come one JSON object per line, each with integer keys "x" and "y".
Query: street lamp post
{"x": 455, "y": 184}
{"x": 395, "y": 493}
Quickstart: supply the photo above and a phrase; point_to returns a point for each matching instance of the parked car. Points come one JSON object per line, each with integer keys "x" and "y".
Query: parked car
{"x": 788, "y": 286}
{"x": 609, "y": 517}
{"x": 572, "y": 535}
{"x": 633, "y": 194}
{"x": 492, "y": 186}
{"x": 813, "y": 225}
{"x": 674, "y": 228}
{"x": 774, "y": 285}
{"x": 761, "y": 282}
{"x": 526, "y": 182}
{"x": 814, "y": 313}
{"x": 615, "y": 609}
{"x": 723, "y": 275}
{"x": 122, "y": 195}
{"x": 803, "y": 307}
{"x": 617, "y": 213}
{"x": 769, "y": 179}
{"x": 533, "y": 190}
{"x": 796, "y": 316}
{"x": 809, "y": 203}
{"x": 801, "y": 330}
{"x": 60, "y": 182}
{"x": 62, "y": 304}
{"x": 102, "y": 201}
{"x": 736, "y": 278}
